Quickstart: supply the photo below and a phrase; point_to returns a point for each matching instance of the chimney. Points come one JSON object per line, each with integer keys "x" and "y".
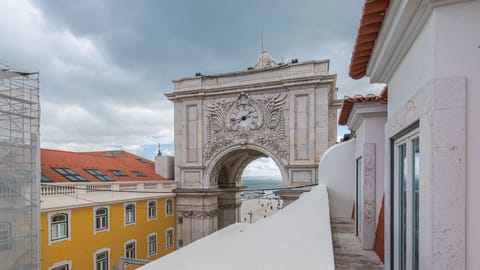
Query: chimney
{"x": 164, "y": 166}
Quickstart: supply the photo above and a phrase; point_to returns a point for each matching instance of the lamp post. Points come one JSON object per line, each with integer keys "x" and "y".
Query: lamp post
{"x": 250, "y": 213}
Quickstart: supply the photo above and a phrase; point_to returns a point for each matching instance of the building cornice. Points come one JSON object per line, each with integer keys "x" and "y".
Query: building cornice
{"x": 402, "y": 24}
{"x": 83, "y": 201}
{"x": 360, "y": 111}
{"x": 263, "y": 86}
{"x": 254, "y": 71}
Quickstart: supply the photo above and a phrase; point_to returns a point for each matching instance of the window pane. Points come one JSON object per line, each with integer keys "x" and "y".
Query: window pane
{"x": 58, "y": 218}
{"x": 118, "y": 173}
{"x": 130, "y": 250}
{"x": 129, "y": 213}
{"x": 54, "y": 231}
{"x": 5, "y": 236}
{"x": 61, "y": 230}
{"x": 45, "y": 179}
{"x": 63, "y": 267}
{"x": 138, "y": 173}
{"x": 69, "y": 174}
{"x": 403, "y": 204}
{"x": 99, "y": 174}
{"x": 152, "y": 244}
{"x": 169, "y": 207}
{"x": 416, "y": 186}
{"x": 101, "y": 220}
{"x": 169, "y": 238}
{"x": 101, "y": 261}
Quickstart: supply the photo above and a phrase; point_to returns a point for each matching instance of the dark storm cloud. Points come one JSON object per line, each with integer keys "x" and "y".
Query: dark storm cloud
{"x": 171, "y": 39}
{"x": 104, "y": 65}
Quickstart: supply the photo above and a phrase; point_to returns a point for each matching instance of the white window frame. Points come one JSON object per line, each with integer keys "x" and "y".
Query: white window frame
{"x": 167, "y": 243}
{"x": 6, "y": 243}
{"x": 107, "y": 250}
{"x": 410, "y": 202}
{"x": 125, "y": 214}
{"x": 149, "y": 253}
{"x": 68, "y": 227}
{"x": 107, "y": 229}
{"x": 60, "y": 264}
{"x": 169, "y": 210}
{"x": 154, "y": 217}
{"x": 134, "y": 241}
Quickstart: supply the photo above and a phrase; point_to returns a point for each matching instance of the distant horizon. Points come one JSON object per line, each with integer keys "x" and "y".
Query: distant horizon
{"x": 257, "y": 177}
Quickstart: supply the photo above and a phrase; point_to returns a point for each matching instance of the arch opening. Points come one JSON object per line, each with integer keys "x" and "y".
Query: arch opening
{"x": 227, "y": 168}
{"x": 226, "y": 171}
{"x": 261, "y": 173}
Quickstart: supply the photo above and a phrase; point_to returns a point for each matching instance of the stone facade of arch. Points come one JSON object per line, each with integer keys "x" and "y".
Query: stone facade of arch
{"x": 222, "y": 122}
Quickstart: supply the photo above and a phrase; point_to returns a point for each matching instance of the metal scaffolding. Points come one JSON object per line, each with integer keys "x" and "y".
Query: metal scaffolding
{"x": 19, "y": 169}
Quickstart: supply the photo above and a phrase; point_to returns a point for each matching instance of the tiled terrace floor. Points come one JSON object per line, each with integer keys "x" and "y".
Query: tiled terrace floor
{"x": 349, "y": 255}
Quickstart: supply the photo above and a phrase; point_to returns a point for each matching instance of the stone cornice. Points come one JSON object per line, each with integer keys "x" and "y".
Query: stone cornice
{"x": 404, "y": 21}
{"x": 360, "y": 111}
{"x": 261, "y": 86}
{"x": 254, "y": 71}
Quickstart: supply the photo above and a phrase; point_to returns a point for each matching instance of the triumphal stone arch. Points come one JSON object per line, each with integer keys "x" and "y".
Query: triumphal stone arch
{"x": 223, "y": 122}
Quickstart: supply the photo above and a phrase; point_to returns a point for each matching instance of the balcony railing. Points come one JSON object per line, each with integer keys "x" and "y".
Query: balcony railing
{"x": 62, "y": 189}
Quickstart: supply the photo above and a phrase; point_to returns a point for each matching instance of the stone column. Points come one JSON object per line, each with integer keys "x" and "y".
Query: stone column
{"x": 197, "y": 215}
{"x": 229, "y": 204}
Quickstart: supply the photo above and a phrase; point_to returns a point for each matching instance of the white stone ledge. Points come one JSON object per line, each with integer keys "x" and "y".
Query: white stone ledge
{"x": 298, "y": 237}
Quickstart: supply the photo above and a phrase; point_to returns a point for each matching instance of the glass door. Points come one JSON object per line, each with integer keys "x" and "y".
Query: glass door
{"x": 406, "y": 194}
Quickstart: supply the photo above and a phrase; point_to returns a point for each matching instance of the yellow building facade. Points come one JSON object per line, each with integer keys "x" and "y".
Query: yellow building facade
{"x": 95, "y": 235}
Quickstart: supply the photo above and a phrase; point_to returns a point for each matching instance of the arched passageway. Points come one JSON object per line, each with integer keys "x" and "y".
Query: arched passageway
{"x": 226, "y": 172}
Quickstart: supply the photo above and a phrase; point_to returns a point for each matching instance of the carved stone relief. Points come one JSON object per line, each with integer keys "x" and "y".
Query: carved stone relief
{"x": 198, "y": 214}
{"x": 247, "y": 120}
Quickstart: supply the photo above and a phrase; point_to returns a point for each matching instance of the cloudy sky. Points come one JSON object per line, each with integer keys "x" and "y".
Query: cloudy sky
{"x": 105, "y": 65}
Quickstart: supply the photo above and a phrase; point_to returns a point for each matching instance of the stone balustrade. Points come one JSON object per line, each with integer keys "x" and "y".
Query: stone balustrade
{"x": 61, "y": 189}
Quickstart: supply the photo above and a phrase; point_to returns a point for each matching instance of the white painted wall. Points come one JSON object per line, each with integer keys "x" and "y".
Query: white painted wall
{"x": 415, "y": 70}
{"x": 337, "y": 172}
{"x": 458, "y": 54}
{"x": 372, "y": 130}
{"x": 448, "y": 47}
{"x": 375, "y": 133}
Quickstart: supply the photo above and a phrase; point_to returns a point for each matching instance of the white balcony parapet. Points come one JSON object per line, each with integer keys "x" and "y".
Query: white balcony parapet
{"x": 297, "y": 237}
{"x": 57, "y": 196}
{"x": 62, "y": 189}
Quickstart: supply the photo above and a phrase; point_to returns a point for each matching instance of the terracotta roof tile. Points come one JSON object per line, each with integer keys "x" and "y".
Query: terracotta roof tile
{"x": 370, "y": 25}
{"x": 348, "y": 103}
{"x": 103, "y": 161}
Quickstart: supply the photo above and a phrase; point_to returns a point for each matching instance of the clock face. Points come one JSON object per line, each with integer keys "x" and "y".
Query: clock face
{"x": 244, "y": 117}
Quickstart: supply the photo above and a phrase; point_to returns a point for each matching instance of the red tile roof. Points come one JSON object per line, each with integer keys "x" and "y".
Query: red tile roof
{"x": 348, "y": 103}
{"x": 103, "y": 161}
{"x": 370, "y": 25}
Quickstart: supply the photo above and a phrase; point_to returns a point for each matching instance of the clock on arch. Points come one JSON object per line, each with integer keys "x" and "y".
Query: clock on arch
{"x": 244, "y": 114}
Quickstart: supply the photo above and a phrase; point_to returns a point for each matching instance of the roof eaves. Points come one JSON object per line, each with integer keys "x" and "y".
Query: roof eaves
{"x": 370, "y": 26}
{"x": 348, "y": 103}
